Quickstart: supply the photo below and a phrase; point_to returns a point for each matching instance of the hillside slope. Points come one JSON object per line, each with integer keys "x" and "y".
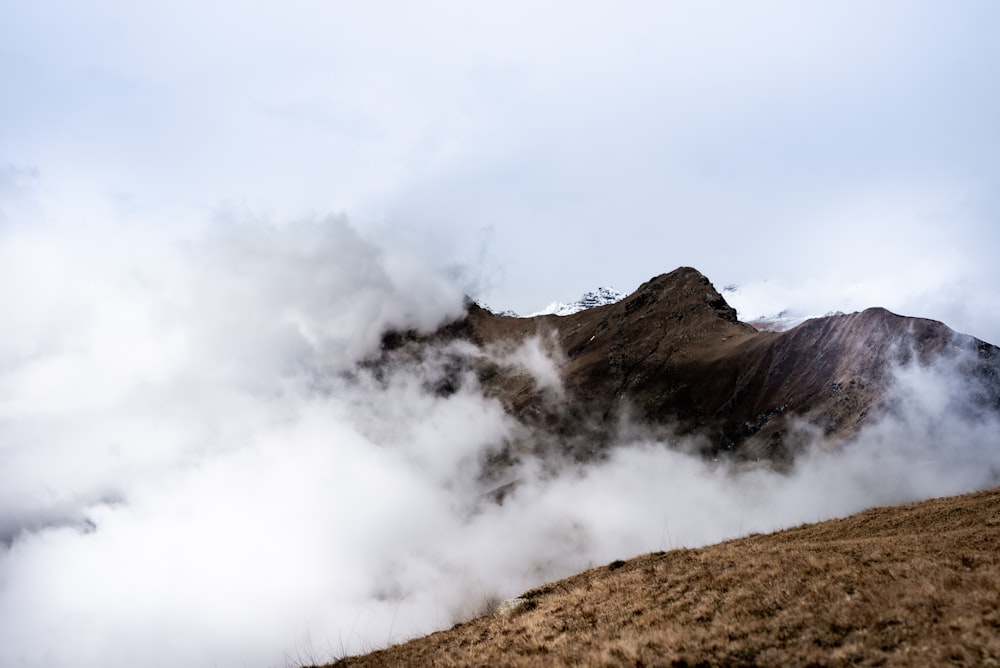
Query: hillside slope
{"x": 672, "y": 357}
{"x": 912, "y": 585}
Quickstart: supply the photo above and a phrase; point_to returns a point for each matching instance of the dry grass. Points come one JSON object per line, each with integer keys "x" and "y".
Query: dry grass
{"x": 915, "y": 585}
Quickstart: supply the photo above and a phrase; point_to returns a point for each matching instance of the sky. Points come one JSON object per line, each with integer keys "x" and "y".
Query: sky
{"x": 823, "y": 156}
{"x": 209, "y": 212}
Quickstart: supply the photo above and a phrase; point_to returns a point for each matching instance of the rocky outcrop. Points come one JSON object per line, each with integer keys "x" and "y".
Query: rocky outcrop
{"x": 673, "y": 357}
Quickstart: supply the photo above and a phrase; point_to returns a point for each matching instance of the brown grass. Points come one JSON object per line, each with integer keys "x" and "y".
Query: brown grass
{"x": 915, "y": 585}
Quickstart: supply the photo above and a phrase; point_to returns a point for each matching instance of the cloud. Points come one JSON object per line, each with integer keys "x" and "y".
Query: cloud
{"x": 188, "y": 475}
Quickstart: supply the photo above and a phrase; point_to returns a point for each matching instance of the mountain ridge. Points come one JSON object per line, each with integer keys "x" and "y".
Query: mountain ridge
{"x": 672, "y": 367}
{"x": 673, "y": 358}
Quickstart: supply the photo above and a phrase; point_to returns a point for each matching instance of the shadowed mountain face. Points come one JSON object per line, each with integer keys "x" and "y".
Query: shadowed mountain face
{"x": 672, "y": 358}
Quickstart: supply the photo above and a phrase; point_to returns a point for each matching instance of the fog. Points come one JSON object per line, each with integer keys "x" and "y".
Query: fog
{"x": 194, "y": 472}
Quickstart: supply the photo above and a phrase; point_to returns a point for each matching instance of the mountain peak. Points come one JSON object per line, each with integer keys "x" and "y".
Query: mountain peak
{"x": 683, "y": 288}
{"x": 673, "y": 356}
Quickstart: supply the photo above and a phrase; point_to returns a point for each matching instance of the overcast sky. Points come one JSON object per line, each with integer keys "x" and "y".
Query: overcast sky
{"x": 822, "y": 155}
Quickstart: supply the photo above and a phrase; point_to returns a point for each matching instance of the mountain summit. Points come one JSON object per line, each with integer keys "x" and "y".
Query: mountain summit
{"x": 673, "y": 359}
{"x": 707, "y": 418}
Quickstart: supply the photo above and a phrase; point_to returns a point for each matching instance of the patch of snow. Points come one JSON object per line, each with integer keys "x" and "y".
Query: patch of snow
{"x": 778, "y": 322}
{"x": 507, "y": 313}
{"x": 600, "y": 297}
{"x": 784, "y": 320}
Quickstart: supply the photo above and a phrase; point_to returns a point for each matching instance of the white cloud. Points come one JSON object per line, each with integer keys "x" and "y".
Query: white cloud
{"x": 181, "y": 458}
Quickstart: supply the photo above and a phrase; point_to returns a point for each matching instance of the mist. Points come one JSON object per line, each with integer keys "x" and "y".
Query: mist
{"x": 194, "y": 471}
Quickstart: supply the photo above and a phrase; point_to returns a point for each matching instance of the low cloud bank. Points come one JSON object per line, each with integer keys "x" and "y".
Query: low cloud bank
{"x": 189, "y": 477}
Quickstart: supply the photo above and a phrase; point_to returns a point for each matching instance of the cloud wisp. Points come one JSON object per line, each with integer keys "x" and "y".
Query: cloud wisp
{"x": 192, "y": 471}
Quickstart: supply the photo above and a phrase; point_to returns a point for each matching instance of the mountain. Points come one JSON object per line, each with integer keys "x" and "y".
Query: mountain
{"x": 672, "y": 359}
{"x": 672, "y": 363}
{"x": 600, "y": 297}
{"x": 910, "y": 585}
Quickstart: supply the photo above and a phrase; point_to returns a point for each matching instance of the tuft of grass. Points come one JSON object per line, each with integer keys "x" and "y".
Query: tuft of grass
{"x": 487, "y": 606}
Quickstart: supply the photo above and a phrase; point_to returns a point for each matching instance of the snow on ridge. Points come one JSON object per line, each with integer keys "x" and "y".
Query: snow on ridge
{"x": 786, "y": 320}
{"x": 778, "y": 322}
{"x": 600, "y": 297}
{"x": 759, "y": 313}
{"x": 507, "y": 314}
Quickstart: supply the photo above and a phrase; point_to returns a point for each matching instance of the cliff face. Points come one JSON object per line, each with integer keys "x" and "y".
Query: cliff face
{"x": 673, "y": 357}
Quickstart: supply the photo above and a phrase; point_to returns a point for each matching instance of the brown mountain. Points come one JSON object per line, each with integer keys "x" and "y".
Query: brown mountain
{"x": 673, "y": 358}
{"x": 911, "y": 585}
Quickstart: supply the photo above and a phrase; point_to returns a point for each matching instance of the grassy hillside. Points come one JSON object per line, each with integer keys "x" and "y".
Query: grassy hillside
{"x": 908, "y": 585}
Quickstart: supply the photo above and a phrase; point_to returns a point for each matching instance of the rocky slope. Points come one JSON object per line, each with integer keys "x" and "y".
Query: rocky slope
{"x": 672, "y": 358}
